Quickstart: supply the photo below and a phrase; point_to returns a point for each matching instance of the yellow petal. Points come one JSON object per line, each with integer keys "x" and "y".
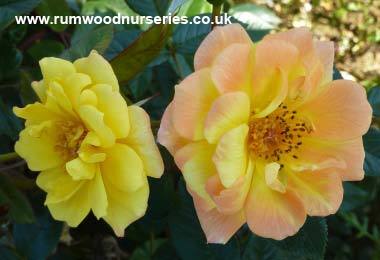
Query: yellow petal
{"x": 80, "y": 170}
{"x": 230, "y": 156}
{"x": 64, "y": 189}
{"x": 98, "y": 195}
{"x": 73, "y": 210}
{"x": 88, "y": 97}
{"x": 40, "y": 90}
{"x": 39, "y": 152}
{"x": 73, "y": 85}
{"x": 141, "y": 139}
{"x": 94, "y": 120}
{"x": 48, "y": 179}
{"x": 99, "y": 70}
{"x": 35, "y": 113}
{"x": 123, "y": 168}
{"x": 125, "y": 207}
{"x": 55, "y": 69}
{"x": 115, "y": 109}
{"x": 272, "y": 178}
{"x": 228, "y": 111}
{"x": 91, "y": 154}
{"x": 195, "y": 162}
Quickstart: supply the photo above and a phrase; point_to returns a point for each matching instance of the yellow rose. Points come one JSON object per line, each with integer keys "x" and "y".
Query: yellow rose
{"x": 94, "y": 152}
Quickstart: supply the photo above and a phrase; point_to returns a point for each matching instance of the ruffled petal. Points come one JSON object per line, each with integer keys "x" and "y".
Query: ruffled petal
{"x": 228, "y": 111}
{"x": 55, "y": 69}
{"x": 216, "y": 41}
{"x": 38, "y": 150}
{"x": 231, "y": 155}
{"x": 99, "y": 70}
{"x": 218, "y": 227}
{"x": 192, "y": 100}
{"x": 98, "y": 195}
{"x": 272, "y": 214}
{"x": 125, "y": 207}
{"x": 123, "y": 168}
{"x": 341, "y": 112}
{"x": 115, "y": 109}
{"x": 167, "y": 135}
{"x": 196, "y": 165}
{"x": 233, "y": 68}
{"x": 321, "y": 192}
{"x": 80, "y": 170}
{"x": 142, "y": 141}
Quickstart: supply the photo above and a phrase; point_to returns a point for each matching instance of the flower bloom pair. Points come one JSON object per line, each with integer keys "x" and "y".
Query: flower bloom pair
{"x": 260, "y": 132}
{"x": 94, "y": 152}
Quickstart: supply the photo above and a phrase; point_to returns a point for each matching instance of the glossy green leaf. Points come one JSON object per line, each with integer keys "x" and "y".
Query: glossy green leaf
{"x": 371, "y": 141}
{"x": 20, "y": 210}
{"x": 308, "y": 243}
{"x": 188, "y": 37}
{"x": 354, "y": 197}
{"x": 146, "y": 250}
{"x": 117, "y": 6}
{"x": 53, "y": 8}
{"x": 255, "y": 16}
{"x": 195, "y": 7}
{"x": 141, "y": 52}
{"x": 374, "y": 100}
{"x": 9, "y": 9}
{"x": 88, "y": 38}
{"x": 37, "y": 241}
{"x": 150, "y": 7}
{"x": 120, "y": 41}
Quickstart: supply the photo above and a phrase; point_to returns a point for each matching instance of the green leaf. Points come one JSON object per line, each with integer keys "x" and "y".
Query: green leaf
{"x": 19, "y": 208}
{"x": 54, "y": 8}
{"x": 46, "y": 48}
{"x": 8, "y": 253}
{"x": 87, "y": 38}
{"x": 188, "y": 237}
{"x": 216, "y": 2}
{"x": 120, "y": 41}
{"x": 374, "y": 100}
{"x": 147, "y": 249}
{"x": 308, "y": 243}
{"x": 176, "y": 4}
{"x": 195, "y": 7}
{"x": 371, "y": 141}
{"x": 354, "y": 197}
{"x": 37, "y": 241}
{"x": 188, "y": 37}
{"x": 10, "y": 61}
{"x": 255, "y": 16}
{"x": 150, "y": 7}
{"x": 141, "y": 52}
{"x": 117, "y": 6}
{"x": 9, "y": 9}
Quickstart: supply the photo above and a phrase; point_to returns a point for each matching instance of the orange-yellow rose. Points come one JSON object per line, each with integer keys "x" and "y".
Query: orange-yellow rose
{"x": 94, "y": 152}
{"x": 262, "y": 134}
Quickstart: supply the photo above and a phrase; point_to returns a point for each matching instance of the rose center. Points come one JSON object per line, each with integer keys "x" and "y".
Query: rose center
{"x": 69, "y": 138}
{"x": 278, "y": 134}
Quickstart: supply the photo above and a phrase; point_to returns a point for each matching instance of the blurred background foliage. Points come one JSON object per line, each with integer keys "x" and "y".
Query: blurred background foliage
{"x": 148, "y": 63}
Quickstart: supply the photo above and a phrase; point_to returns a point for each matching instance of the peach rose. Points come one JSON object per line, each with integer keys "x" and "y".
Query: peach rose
{"x": 262, "y": 134}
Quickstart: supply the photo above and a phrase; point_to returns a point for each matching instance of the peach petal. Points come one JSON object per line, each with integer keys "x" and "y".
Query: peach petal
{"x": 192, "y": 100}
{"x": 272, "y": 214}
{"x": 325, "y": 51}
{"x": 347, "y": 157}
{"x": 218, "y": 227}
{"x": 341, "y": 112}
{"x": 167, "y": 135}
{"x": 228, "y": 111}
{"x": 321, "y": 192}
{"x": 233, "y": 68}
{"x": 230, "y": 200}
{"x": 216, "y": 42}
